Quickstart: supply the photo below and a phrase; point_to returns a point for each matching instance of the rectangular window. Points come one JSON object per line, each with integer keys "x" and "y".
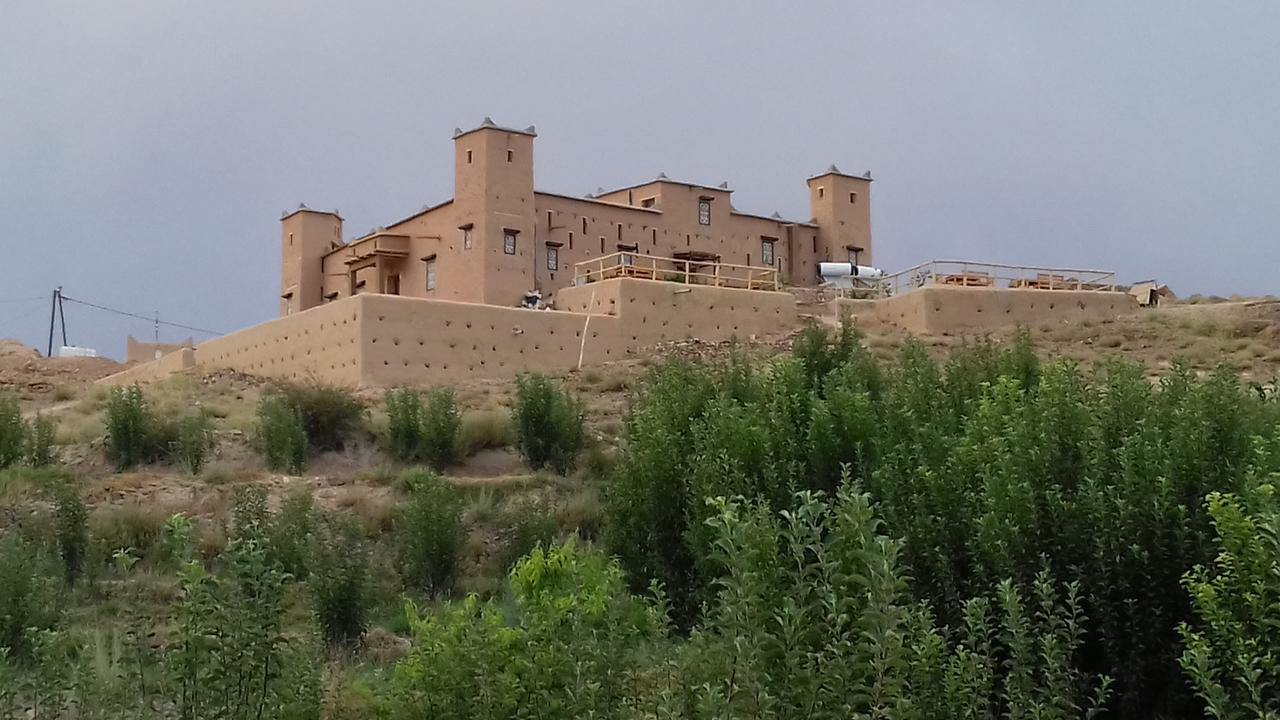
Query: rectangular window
{"x": 570, "y": 239}
{"x": 393, "y": 284}
{"x": 466, "y": 238}
{"x": 766, "y": 250}
{"x": 468, "y": 157}
{"x": 553, "y": 258}
{"x": 821, "y": 191}
{"x": 509, "y": 242}
{"x": 704, "y": 212}
{"x": 648, "y": 202}
{"x": 431, "y": 274}
{"x": 853, "y": 254}
{"x": 510, "y": 155}
{"x": 853, "y": 198}
{"x": 288, "y": 304}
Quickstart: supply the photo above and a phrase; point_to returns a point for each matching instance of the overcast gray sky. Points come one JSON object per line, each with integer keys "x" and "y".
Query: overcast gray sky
{"x": 148, "y": 148}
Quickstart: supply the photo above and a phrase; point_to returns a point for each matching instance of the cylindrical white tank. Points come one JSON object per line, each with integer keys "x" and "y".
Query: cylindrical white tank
{"x": 833, "y": 270}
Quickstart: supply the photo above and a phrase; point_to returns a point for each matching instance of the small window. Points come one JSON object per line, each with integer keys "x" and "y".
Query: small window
{"x": 853, "y": 254}
{"x": 468, "y": 157}
{"x": 570, "y": 239}
{"x": 509, "y": 242}
{"x": 431, "y": 274}
{"x": 648, "y": 202}
{"x": 584, "y": 226}
{"x": 511, "y": 155}
{"x": 290, "y": 238}
{"x": 553, "y": 258}
{"x": 288, "y": 304}
{"x": 628, "y": 259}
{"x": 853, "y": 198}
{"x": 704, "y": 212}
{"x": 467, "y": 242}
{"x": 766, "y": 250}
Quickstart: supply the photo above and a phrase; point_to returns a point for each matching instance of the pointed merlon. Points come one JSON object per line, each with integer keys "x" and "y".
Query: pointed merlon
{"x": 487, "y": 122}
{"x": 724, "y": 185}
{"x": 662, "y": 176}
{"x": 833, "y": 168}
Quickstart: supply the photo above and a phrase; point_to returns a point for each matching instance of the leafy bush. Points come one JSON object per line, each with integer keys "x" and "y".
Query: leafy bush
{"x": 570, "y": 646}
{"x": 428, "y": 532}
{"x": 289, "y": 534}
{"x": 812, "y": 618}
{"x": 281, "y": 435}
{"x": 26, "y": 593}
{"x": 72, "y": 519}
{"x": 230, "y": 657}
{"x": 331, "y": 416}
{"x": 40, "y": 438}
{"x": 548, "y": 424}
{"x": 13, "y": 431}
{"x": 192, "y": 442}
{"x": 338, "y": 579}
{"x": 404, "y": 423}
{"x": 177, "y": 540}
{"x": 441, "y": 423}
{"x": 993, "y": 466}
{"x": 1230, "y": 647}
{"x": 134, "y": 435}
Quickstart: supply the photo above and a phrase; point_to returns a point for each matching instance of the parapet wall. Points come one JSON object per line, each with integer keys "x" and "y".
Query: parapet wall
{"x": 382, "y": 340}
{"x": 940, "y": 310}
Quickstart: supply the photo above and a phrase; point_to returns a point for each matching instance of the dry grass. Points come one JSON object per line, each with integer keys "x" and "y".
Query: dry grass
{"x": 485, "y": 429}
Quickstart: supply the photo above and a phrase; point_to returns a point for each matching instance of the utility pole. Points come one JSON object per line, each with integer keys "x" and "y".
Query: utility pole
{"x": 53, "y": 310}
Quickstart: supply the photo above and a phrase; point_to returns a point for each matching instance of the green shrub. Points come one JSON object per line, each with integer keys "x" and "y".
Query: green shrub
{"x": 194, "y": 439}
{"x": 548, "y": 424}
{"x": 441, "y": 423}
{"x": 571, "y": 644}
{"x": 1230, "y": 646}
{"x": 331, "y": 416}
{"x": 13, "y": 431}
{"x": 72, "y": 520}
{"x": 428, "y": 533}
{"x": 27, "y": 594}
{"x": 281, "y": 436}
{"x": 339, "y": 560}
{"x": 40, "y": 440}
{"x": 231, "y": 656}
{"x": 134, "y": 435}
{"x": 290, "y": 534}
{"x": 177, "y": 540}
{"x": 404, "y": 424}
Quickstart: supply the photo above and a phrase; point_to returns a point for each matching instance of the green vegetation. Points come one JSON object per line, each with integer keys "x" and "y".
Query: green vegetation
{"x": 824, "y": 535}
{"x": 428, "y": 529}
{"x": 22, "y": 442}
{"x": 548, "y": 424}
{"x": 429, "y": 433}
{"x": 281, "y": 436}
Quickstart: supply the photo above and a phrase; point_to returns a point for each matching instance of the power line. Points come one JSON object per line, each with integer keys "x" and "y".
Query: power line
{"x": 23, "y": 300}
{"x": 141, "y": 317}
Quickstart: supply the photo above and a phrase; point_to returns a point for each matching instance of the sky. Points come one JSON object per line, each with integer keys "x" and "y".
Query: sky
{"x": 147, "y": 149}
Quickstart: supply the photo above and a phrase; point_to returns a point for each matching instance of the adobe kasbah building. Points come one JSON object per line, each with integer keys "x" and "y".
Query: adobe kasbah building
{"x": 499, "y": 237}
{"x": 505, "y": 278}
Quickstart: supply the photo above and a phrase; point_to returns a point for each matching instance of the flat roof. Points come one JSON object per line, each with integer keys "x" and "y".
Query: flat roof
{"x": 302, "y": 209}
{"x": 668, "y": 181}
{"x": 489, "y": 124}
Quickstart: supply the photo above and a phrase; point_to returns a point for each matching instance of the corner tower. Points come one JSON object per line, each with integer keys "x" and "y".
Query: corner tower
{"x": 493, "y": 194}
{"x": 305, "y": 236}
{"x": 841, "y": 207}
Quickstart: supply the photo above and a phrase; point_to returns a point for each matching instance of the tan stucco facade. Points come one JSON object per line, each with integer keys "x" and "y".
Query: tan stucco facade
{"x": 939, "y": 310}
{"x": 498, "y": 238}
{"x": 382, "y": 340}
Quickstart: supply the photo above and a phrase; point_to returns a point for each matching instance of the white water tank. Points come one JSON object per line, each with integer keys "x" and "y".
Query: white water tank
{"x": 842, "y": 274}
{"x": 72, "y": 351}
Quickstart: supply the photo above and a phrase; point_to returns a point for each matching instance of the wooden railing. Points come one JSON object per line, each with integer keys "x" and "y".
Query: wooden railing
{"x": 690, "y": 272}
{"x": 963, "y": 273}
